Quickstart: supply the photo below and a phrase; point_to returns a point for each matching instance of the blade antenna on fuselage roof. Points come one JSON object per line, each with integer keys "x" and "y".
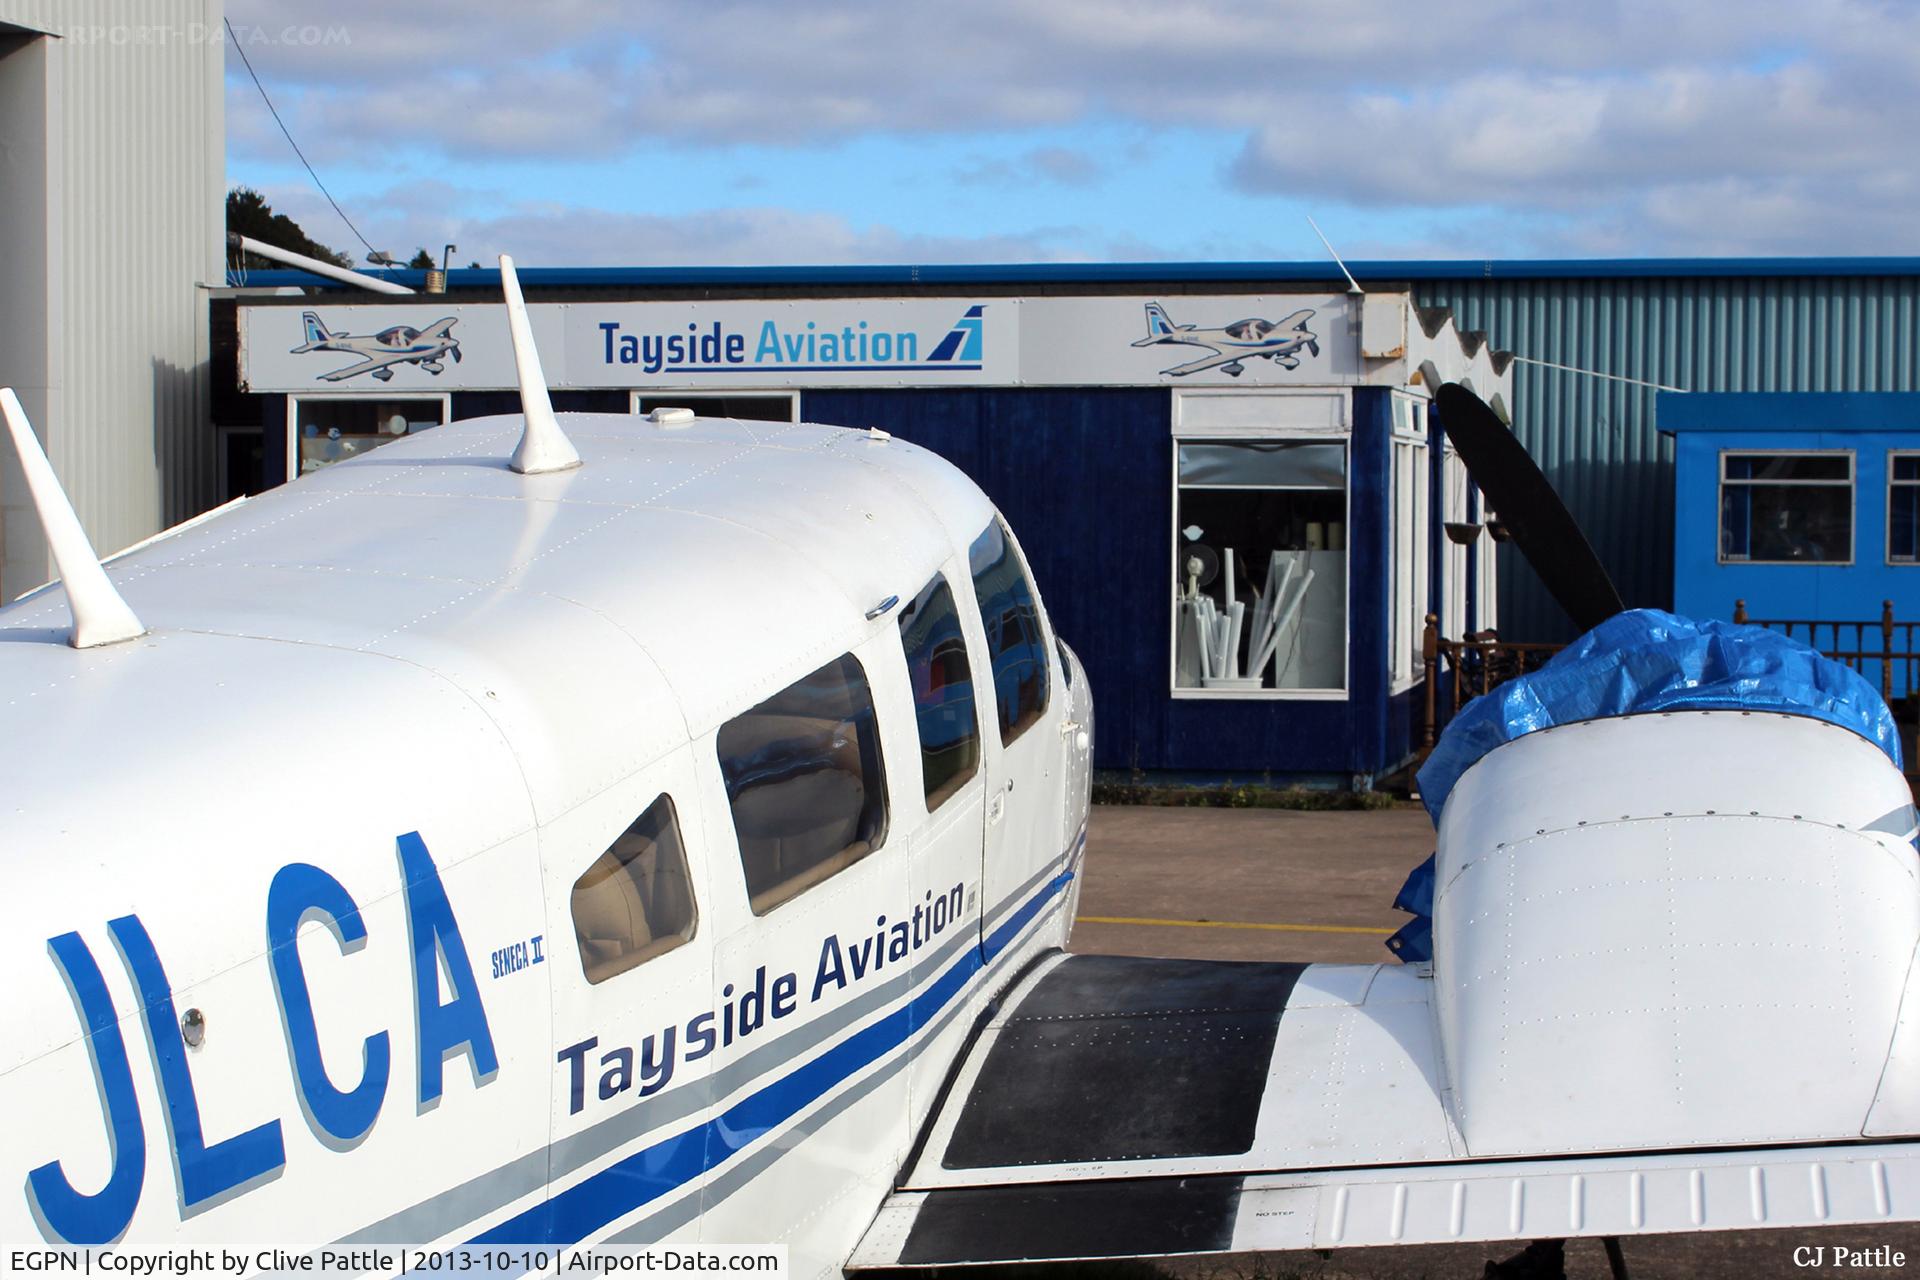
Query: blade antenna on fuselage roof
{"x": 543, "y": 446}
{"x": 100, "y": 616}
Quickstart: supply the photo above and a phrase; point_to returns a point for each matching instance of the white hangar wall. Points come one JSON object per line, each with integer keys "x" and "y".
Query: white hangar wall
{"x": 112, "y": 199}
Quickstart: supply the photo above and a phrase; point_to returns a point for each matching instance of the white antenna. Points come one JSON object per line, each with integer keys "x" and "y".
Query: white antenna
{"x": 543, "y": 445}
{"x": 1353, "y": 286}
{"x": 100, "y": 616}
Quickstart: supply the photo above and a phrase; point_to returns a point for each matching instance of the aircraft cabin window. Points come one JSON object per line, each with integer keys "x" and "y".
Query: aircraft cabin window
{"x": 1011, "y": 617}
{"x": 634, "y": 902}
{"x": 806, "y": 783}
{"x": 942, "y": 691}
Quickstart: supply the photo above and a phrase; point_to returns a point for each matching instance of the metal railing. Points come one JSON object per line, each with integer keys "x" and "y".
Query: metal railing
{"x": 1475, "y": 665}
{"x": 1887, "y": 648}
{"x": 1886, "y": 645}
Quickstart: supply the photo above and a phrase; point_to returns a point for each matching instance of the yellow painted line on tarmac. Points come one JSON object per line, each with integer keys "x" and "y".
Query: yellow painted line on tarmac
{"x": 1233, "y": 924}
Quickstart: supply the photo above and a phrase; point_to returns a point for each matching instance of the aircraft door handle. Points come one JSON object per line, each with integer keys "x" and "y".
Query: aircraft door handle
{"x": 997, "y": 808}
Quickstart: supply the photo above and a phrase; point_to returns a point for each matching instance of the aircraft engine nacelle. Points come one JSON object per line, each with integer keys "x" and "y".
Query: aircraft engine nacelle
{"x": 1687, "y": 928}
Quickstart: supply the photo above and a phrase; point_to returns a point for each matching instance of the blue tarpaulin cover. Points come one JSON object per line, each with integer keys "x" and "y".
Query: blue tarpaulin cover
{"x": 1646, "y": 660}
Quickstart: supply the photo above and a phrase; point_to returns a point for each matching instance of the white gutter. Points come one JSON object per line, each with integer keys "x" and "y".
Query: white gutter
{"x": 315, "y": 265}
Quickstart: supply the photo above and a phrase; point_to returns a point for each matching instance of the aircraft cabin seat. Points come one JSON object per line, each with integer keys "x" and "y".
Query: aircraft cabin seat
{"x": 801, "y": 825}
{"x": 630, "y": 906}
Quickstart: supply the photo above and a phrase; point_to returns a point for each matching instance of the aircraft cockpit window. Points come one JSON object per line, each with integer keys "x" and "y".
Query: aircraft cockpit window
{"x": 1015, "y": 644}
{"x": 806, "y": 783}
{"x": 634, "y": 902}
{"x": 942, "y": 691}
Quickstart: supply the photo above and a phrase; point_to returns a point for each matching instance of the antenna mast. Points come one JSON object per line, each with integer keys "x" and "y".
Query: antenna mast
{"x": 543, "y": 446}
{"x": 100, "y": 616}
{"x": 1353, "y": 286}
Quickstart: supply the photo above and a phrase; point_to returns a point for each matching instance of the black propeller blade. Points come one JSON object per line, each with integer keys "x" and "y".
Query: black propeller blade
{"x": 1538, "y": 522}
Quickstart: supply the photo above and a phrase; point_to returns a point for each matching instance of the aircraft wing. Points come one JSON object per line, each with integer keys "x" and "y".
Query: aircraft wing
{"x": 1213, "y": 361}
{"x": 1123, "y": 1107}
{"x": 365, "y": 366}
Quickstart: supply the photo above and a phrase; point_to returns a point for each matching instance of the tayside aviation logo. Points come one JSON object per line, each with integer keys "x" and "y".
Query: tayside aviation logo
{"x": 772, "y": 347}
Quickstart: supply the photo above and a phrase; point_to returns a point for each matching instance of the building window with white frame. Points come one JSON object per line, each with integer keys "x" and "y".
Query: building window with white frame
{"x": 1903, "y": 508}
{"x": 1260, "y": 574}
{"x": 1786, "y": 508}
{"x": 1410, "y": 541}
{"x": 330, "y": 429}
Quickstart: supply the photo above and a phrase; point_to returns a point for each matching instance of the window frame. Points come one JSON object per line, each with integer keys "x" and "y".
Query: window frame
{"x": 1046, "y": 636}
{"x": 953, "y": 787}
{"x": 296, "y": 398}
{"x": 773, "y": 897}
{"x": 1893, "y": 484}
{"x": 792, "y": 394}
{"x": 686, "y": 874}
{"x": 1275, "y": 434}
{"x": 1851, "y": 484}
{"x": 1411, "y": 464}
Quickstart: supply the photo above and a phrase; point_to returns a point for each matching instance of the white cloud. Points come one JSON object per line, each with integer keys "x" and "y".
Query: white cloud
{"x": 1759, "y": 126}
{"x": 553, "y": 234}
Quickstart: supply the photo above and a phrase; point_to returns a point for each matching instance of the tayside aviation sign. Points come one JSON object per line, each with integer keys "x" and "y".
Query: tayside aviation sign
{"x": 889, "y": 342}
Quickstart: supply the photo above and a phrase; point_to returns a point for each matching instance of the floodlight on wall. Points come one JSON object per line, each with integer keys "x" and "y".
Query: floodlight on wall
{"x": 1462, "y": 533}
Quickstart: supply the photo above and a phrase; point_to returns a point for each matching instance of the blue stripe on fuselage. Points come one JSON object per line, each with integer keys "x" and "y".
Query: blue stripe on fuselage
{"x": 604, "y": 1197}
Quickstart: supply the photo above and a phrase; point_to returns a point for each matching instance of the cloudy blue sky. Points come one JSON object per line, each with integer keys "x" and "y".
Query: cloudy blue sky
{"x": 735, "y": 131}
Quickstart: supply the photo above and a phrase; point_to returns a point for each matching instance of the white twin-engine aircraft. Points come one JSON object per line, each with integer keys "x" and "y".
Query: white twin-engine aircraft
{"x": 545, "y": 831}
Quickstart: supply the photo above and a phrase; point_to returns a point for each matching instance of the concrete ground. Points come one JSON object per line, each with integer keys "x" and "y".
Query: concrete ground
{"x": 1247, "y": 884}
{"x": 1254, "y": 884}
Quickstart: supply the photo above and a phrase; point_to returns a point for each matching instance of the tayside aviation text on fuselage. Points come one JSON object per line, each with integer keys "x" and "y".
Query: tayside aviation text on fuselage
{"x": 805, "y": 349}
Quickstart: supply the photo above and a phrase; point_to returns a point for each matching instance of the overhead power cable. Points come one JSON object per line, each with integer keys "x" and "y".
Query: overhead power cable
{"x": 1595, "y": 373}
{"x": 248, "y": 64}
